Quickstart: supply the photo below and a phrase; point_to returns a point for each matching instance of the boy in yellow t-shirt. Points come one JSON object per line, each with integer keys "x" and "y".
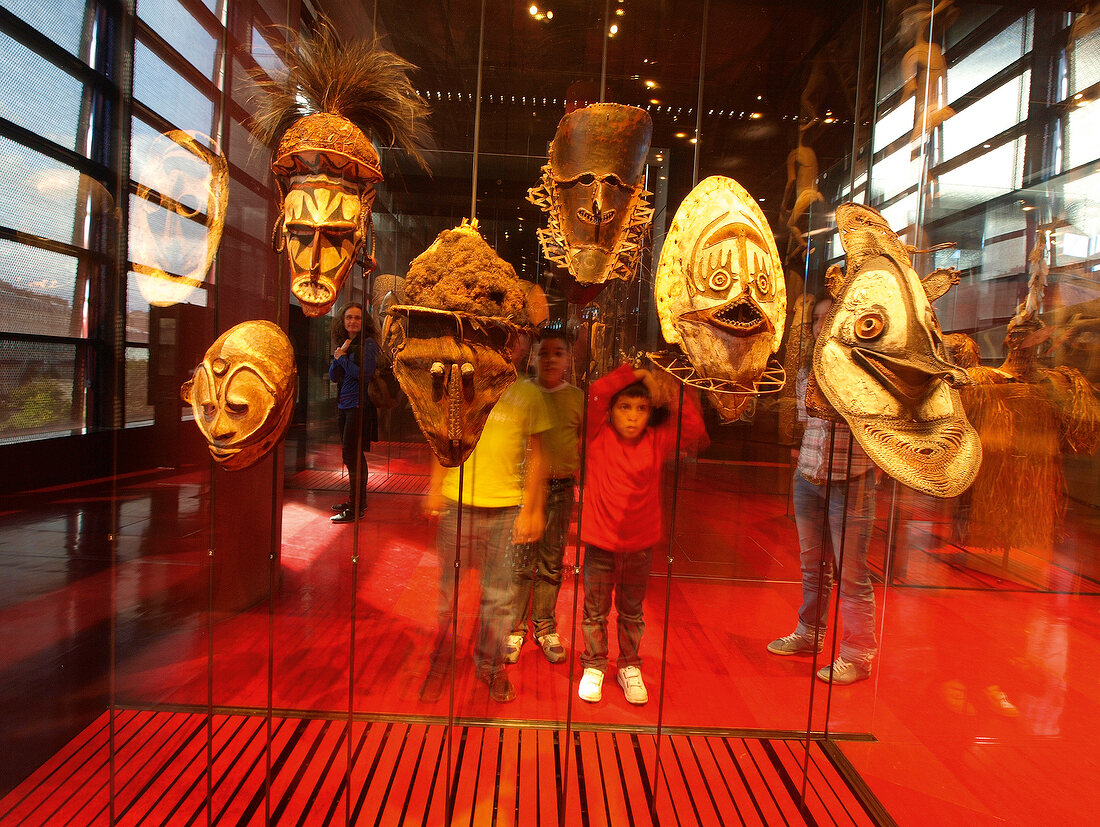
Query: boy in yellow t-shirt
{"x": 502, "y": 506}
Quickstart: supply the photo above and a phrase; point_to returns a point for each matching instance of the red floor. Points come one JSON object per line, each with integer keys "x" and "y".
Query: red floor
{"x": 942, "y": 751}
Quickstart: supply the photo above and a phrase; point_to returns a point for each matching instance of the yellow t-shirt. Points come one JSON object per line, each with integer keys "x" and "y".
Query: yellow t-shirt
{"x": 494, "y": 471}
{"x": 561, "y": 443}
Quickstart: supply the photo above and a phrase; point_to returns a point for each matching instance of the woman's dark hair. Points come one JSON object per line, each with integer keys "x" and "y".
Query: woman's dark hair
{"x": 658, "y": 414}
{"x": 339, "y": 334}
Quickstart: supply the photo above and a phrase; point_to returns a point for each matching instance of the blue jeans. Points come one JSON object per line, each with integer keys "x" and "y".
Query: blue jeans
{"x": 857, "y": 597}
{"x": 627, "y": 575}
{"x": 538, "y": 565}
{"x": 486, "y": 545}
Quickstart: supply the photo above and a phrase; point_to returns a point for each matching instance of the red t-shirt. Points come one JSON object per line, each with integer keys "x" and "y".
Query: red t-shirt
{"x": 622, "y": 485}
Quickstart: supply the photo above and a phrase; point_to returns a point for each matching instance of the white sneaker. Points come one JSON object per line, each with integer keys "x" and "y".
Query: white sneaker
{"x": 630, "y": 679}
{"x": 591, "y": 688}
{"x": 512, "y": 645}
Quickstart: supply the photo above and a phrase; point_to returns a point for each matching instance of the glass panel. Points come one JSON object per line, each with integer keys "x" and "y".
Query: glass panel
{"x": 168, "y": 94}
{"x": 1002, "y": 108}
{"x": 42, "y": 390}
{"x": 139, "y": 407}
{"x": 37, "y": 95}
{"x": 999, "y": 171}
{"x": 980, "y": 65}
{"x": 51, "y": 212}
{"x": 894, "y": 124}
{"x": 41, "y": 291}
{"x": 61, "y": 21}
{"x": 182, "y": 31}
{"x": 1082, "y": 135}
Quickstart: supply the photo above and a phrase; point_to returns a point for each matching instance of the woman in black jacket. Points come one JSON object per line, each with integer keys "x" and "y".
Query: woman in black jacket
{"x": 354, "y": 359}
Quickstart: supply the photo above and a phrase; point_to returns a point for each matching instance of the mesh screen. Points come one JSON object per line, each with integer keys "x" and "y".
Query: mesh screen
{"x": 39, "y": 287}
{"x": 60, "y": 20}
{"x": 138, "y": 409}
{"x": 37, "y": 390}
{"x": 37, "y": 95}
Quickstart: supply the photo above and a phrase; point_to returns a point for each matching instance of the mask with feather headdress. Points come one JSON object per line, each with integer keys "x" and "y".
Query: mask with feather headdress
{"x": 335, "y": 97}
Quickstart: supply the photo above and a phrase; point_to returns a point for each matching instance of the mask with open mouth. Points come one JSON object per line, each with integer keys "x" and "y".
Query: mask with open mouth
{"x": 719, "y": 289}
{"x": 881, "y": 363}
{"x": 592, "y": 189}
{"x": 242, "y": 395}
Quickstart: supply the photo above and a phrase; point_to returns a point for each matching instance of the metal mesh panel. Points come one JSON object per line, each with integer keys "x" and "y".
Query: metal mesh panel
{"x": 39, "y": 288}
{"x": 37, "y": 390}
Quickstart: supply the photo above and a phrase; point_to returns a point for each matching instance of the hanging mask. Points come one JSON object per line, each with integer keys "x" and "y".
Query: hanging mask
{"x": 326, "y": 170}
{"x": 242, "y": 394}
{"x": 720, "y": 291}
{"x": 177, "y": 216}
{"x": 452, "y": 352}
{"x": 593, "y": 191}
{"x": 453, "y": 367}
{"x": 880, "y": 361}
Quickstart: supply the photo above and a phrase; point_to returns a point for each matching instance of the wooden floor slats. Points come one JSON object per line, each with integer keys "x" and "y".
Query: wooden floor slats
{"x": 188, "y": 768}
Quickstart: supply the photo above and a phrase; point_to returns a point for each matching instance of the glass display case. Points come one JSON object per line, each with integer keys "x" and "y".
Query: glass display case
{"x": 199, "y": 639}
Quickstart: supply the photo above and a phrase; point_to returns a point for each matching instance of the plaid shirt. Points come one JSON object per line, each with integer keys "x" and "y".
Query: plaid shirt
{"x": 812, "y": 456}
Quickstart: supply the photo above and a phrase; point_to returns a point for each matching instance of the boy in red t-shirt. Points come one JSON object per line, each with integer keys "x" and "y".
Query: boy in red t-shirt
{"x": 631, "y": 431}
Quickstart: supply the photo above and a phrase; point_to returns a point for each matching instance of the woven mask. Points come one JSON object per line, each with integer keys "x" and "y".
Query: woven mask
{"x": 326, "y": 170}
{"x": 453, "y": 367}
{"x": 720, "y": 291}
{"x": 242, "y": 394}
{"x": 592, "y": 190}
{"x": 881, "y": 364}
{"x": 177, "y": 216}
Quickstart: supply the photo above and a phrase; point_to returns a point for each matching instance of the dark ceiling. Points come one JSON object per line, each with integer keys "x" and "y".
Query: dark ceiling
{"x": 737, "y": 71}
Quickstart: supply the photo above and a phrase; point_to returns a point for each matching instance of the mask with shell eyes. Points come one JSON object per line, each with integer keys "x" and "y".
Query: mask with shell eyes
{"x": 880, "y": 361}
{"x": 720, "y": 291}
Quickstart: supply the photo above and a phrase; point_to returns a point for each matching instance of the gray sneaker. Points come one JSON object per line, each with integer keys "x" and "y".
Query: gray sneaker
{"x": 842, "y": 672}
{"x": 512, "y": 645}
{"x": 796, "y": 644}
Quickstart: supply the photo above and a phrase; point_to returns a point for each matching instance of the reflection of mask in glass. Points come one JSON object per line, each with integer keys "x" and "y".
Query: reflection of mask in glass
{"x": 177, "y": 216}
{"x": 880, "y": 362}
{"x": 453, "y": 367}
{"x": 242, "y": 394}
{"x": 719, "y": 289}
{"x": 592, "y": 189}
{"x": 326, "y": 170}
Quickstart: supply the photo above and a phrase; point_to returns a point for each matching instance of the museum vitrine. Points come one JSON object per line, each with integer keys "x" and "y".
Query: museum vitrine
{"x": 851, "y": 246}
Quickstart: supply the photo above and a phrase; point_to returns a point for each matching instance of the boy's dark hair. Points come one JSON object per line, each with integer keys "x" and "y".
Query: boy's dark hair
{"x": 554, "y": 330}
{"x": 658, "y": 414}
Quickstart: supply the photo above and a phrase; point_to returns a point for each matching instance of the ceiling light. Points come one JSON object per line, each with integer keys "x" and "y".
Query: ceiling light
{"x": 693, "y": 141}
{"x": 534, "y": 10}
{"x": 756, "y": 115}
{"x": 614, "y": 30}
{"x": 681, "y": 134}
{"x": 654, "y": 100}
{"x": 619, "y": 12}
{"x": 651, "y": 84}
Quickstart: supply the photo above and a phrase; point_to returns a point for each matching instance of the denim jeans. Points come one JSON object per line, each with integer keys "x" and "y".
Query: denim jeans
{"x": 857, "y": 597}
{"x": 627, "y": 575}
{"x": 487, "y": 546}
{"x": 538, "y": 566}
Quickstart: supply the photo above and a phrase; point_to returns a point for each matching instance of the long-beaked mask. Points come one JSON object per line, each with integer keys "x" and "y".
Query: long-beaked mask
{"x": 720, "y": 291}
{"x": 880, "y": 361}
{"x": 592, "y": 189}
{"x": 242, "y": 394}
{"x": 177, "y": 216}
{"x": 326, "y": 169}
{"x": 453, "y": 367}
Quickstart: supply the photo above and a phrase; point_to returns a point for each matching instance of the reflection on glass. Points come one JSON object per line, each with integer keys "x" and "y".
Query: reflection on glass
{"x": 177, "y": 216}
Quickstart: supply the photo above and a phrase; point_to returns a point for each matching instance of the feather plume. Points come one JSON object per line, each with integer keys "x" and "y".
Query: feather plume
{"x": 357, "y": 80}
